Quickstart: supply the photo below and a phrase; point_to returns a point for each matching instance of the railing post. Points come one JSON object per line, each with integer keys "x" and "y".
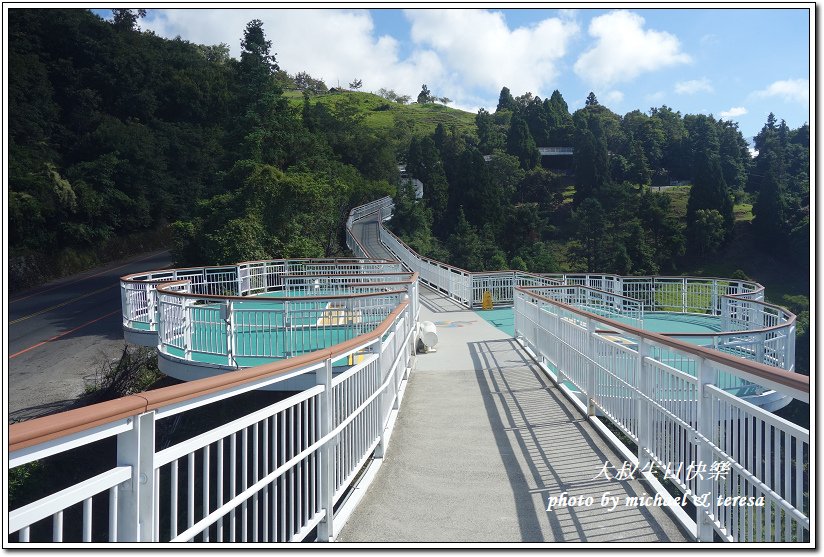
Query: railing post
{"x": 725, "y": 313}
{"x": 760, "y": 347}
{"x": 397, "y": 341}
{"x": 706, "y": 375}
{"x": 326, "y": 464}
{"x": 591, "y": 383}
{"x": 151, "y": 303}
{"x": 644, "y": 407}
{"x": 413, "y": 299}
{"x": 287, "y": 332}
{"x": 187, "y": 330}
{"x": 715, "y": 297}
{"x": 560, "y": 343}
{"x": 789, "y": 349}
{"x": 230, "y": 331}
{"x": 135, "y": 500}
{"x": 683, "y": 295}
{"x": 380, "y": 450}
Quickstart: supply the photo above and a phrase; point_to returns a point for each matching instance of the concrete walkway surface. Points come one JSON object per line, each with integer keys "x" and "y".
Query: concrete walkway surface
{"x": 483, "y": 438}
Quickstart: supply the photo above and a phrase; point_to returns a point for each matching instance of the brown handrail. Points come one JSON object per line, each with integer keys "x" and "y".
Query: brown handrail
{"x": 40, "y": 430}
{"x": 335, "y": 260}
{"x": 791, "y": 317}
{"x": 352, "y": 260}
{"x": 660, "y": 277}
{"x": 161, "y": 287}
{"x": 786, "y": 378}
{"x": 559, "y": 286}
{"x": 325, "y": 275}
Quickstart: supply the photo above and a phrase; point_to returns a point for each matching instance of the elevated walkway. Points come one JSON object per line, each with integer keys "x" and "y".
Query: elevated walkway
{"x": 483, "y": 439}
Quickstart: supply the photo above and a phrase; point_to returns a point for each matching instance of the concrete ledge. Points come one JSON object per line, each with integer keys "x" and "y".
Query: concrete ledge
{"x": 141, "y": 338}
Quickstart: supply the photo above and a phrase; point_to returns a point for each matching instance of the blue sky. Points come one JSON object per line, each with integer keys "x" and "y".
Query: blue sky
{"x": 738, "y": 64}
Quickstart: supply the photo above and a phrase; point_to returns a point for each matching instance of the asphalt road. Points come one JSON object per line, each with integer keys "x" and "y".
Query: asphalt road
{"x": 61, "y": 332}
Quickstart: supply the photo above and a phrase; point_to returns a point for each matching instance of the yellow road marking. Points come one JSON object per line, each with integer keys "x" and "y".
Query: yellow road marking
{"x": 42, "y": 311}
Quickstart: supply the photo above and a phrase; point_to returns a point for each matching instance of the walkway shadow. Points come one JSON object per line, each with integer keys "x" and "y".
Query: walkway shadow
{"x": 437, "y": 302}
{"x": 549, "y": 448}
{"x": 47, "y": 409}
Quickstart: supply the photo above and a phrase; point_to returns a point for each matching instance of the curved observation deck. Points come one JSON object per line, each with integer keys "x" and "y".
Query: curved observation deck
{"x": 291, "y": 466}
{"x": 731, "y": 323}
{"x": 673, "y": 393}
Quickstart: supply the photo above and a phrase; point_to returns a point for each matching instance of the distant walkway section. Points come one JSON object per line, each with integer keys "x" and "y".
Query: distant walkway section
{"x": 483, "y": 440}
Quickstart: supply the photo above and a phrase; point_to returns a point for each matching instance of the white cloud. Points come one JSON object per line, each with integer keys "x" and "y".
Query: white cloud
{"x": 454, "y": 51}
{"x": 624, "y": 50}
{"x": 568, "y": 13}
{"x": 614, "y": 97}
{"x": 479, "y": 49}
{"x": 335, "y": 45}
{"x": 733, "y": 112}
{"x": 791, "y": 90}
{"x": 694, "y": 86}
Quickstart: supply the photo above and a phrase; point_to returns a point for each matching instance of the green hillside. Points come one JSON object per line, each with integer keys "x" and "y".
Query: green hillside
{"x": 381, "y": 114}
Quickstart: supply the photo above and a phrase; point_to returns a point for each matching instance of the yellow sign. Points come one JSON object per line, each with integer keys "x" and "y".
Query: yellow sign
{"x": 486, "y": 303}
{"x": 356, "y": 358}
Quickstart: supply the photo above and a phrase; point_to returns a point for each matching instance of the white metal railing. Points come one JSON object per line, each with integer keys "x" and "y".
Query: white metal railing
{"x": 739, "y": 303}
{"x": 452, "y": 281}
{"x": 193, "y": 328}
{"x": 139, "y": 298}
{"x": 271, "y": 475}
{"x": 338, "y": 285}
{"x": 673, "y": 294}
{"x": 671, "y": 400}
{"x": 556, "y": 150}
{"x": 276, "y": 473}
{"x": 597, "y": 302}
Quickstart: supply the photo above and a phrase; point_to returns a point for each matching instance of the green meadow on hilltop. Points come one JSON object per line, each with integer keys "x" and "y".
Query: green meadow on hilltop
{"x": 381, "y": 114}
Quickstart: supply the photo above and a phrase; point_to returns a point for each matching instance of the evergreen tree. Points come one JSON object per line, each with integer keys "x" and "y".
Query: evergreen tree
{"x": 424, "y": 163}
{"x": 125, "y": 19}
{"x": 735, "y": 156}
{"x": 709, "y": 189}
{"x": 559, "y": 121}
{"x": 465, "y": 245}
{"x": 591, "y": 239}
{"x": 707, "y": 231}
{"x": 591, "y": 164}
{"x": 519, "y": 142}
{"x": 425, "y": 97}
{"x": 709, "y": 192}
{"x": 639, "y": 168}
{"x": 505, "y": 101}
{"x": 490, "y": 135}
{"x": 769, "y": 209}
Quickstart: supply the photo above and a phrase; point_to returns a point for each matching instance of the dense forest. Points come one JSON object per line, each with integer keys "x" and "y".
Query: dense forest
{"x": 117, "y": 136}
{"x": 491, "y": 202}
{"x": 120, "y": 140}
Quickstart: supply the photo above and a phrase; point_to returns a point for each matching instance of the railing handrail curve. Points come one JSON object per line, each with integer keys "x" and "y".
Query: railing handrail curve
{"x": 40, "y": 430}
{"x": 130, "y": 278}
{"x": 163, "y": 287}
{"x": 791, "y": 380}
{"x": 583, "y": 287}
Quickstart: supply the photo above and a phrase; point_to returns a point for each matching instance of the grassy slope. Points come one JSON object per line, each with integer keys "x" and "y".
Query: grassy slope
{"x": 381, "y": 114}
